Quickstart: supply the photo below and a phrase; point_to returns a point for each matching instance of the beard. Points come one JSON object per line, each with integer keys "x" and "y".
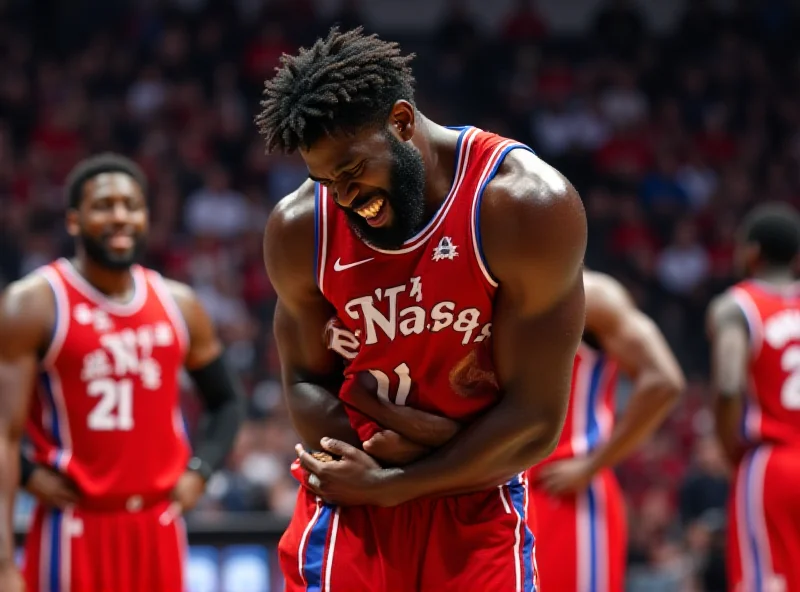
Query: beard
{"x": 406, "y": 197}
{"x": 99, "y": 253}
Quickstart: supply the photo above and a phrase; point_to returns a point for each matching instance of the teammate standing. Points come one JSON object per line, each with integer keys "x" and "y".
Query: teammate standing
{"x": 579, "y": 513}
{"x": 755, "y": 335}
{"x": 453, "y": 259}
{"x": 90, "y": 353}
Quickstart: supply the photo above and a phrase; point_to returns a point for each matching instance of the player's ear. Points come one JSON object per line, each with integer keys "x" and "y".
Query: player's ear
{"x": 402, "y": 120}
{"x": 71, "y": 222}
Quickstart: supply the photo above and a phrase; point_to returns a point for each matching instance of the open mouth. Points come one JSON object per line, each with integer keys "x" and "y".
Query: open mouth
{"x": 374, "y": 211}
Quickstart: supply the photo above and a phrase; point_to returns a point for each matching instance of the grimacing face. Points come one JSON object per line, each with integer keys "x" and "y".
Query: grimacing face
{"x": 377, "y": 179}
{"x": 111, "y": 220}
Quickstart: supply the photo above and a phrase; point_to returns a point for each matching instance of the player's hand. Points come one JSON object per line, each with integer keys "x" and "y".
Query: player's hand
{"x": 10, "y": 578}
{"x": 189, "y": 489}
{"x": 567, "y": 476}
{"x": 51, "y": 489}
{"x": 394, "y": 450}
{"x": 418, "y": 426}
{"x": 352, "y": 478}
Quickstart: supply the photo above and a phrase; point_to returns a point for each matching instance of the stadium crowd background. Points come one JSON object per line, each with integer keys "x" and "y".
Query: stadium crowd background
{"x": 669, "y": 132}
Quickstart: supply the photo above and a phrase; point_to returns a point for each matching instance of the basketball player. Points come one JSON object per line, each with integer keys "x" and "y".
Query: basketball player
{"x": 90, "y": 354}
{"x": 755, "y": 336}
{"x": 579, "y": 513}
{"x": 453, "y": 258}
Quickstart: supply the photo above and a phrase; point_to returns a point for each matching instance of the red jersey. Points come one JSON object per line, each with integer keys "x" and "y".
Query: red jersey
{"x": 419, "y": 318}
{"x": 590, "y": 415}
{"x": 772, "y": 406}
{"x": 107, "y": 407}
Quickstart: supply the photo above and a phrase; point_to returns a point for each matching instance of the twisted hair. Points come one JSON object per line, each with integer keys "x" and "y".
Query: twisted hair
{"x": 342, "y": 83}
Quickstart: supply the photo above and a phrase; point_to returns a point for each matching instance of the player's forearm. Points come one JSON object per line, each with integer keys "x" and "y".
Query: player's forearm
{"x": 317, "y": 413}
{"x": 217, "y": 432}
{"x": 727, "y": 413}
{"x": 495, "y": 448}
{"x": 654, "y": 395}
{"x": 9, "y": 479}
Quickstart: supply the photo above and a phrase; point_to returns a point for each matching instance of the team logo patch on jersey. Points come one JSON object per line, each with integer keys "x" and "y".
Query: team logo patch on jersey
{"x": 84, "y": 315}
{"x": 445, "y": 250}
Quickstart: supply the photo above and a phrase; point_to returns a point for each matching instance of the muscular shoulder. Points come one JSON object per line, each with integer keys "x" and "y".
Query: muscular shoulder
{"x": 183, "y": 295}
{"x": 289, "y": 240}
{"x": 723, "y": 311}
{"x": 604, "y": 295}
{"x": 27, "y": 311}
{"x": 532, "y": 222}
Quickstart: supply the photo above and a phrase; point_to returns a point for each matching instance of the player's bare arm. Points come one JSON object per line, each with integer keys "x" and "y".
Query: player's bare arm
{"x": 632, "y": 339}
{"x": 218, "y": 388}
{"x": 729, "y": 335}
{"x": 534, "y": 237}
{"x": 27, "y": 312}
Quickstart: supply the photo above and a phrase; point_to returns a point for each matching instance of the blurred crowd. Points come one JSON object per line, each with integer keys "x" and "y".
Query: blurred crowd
{"x": 668, "y": 137}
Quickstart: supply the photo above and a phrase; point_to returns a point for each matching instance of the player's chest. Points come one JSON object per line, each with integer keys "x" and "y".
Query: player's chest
{"x": 99, "y": 346}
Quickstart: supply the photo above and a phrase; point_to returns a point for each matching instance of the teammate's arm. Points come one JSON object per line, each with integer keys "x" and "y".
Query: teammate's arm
{"x": 635, "y": 342}
{"x": 729, "y": 335}
{"x": 218, "y": 388}
{"x": 26, "y": 313}
{"x": 534, "y": 237}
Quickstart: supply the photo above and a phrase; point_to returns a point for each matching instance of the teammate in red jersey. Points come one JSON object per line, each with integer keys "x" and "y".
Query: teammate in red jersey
{"x": 452, "y": 258}
{"x": 755, "y": 334}
{"x": 578, "y": 511}
{"x": 90, "y": 355}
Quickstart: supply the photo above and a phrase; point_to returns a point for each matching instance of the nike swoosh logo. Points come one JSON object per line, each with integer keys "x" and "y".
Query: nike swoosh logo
{"x": 337, "y": 266}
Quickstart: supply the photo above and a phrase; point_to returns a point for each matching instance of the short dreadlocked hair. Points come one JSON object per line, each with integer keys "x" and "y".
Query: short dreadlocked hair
{"x": 342, "y": 83}
{"x": 775, "y": 228}
{"x": 107, "y": 162}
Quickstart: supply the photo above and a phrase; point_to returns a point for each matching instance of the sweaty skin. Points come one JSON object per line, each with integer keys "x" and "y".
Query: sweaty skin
{"x": 534, "y": 236}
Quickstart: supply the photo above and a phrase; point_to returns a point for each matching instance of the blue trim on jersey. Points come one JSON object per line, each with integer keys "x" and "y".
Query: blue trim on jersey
{"x": 517, "y": 490}
{"x": 482, "y": 188}
{"x": 316, "y": 235}
{"x": 592, "y": 427}
{"x": 48, "y": 390}
{"x": 592, "y": 505}
{"x": 750, "y": 523}
{"x": 315, "y": 548}
{"x": 55, "y": 551}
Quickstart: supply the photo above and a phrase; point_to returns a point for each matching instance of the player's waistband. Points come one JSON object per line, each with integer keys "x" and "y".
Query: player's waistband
{"x": 123, "y": 503}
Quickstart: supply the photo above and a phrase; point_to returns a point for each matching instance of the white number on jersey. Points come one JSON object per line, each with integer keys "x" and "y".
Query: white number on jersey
{"x": 402, "y": 389}
{"x": 114, "y": 410}
{"x": 790, "y": 392}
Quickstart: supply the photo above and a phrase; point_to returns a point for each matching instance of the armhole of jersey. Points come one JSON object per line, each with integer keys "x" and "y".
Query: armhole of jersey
{"x": 753, "y": 318}
{"x": 320, "y": 234}
{"x": 171, "y": 308}
{"x": 61, "y": 323}
{"x": 489, "y": 172}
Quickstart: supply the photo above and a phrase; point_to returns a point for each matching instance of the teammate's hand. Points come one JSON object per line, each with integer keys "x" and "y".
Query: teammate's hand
{"x": 51, "y": 489}
{"x": 353, "y": 478}
{"x": 567, "y": 476}
{"x": 394, "y": 450}
{"x": 189, "y": 489}
{"x": 10, "y": 578}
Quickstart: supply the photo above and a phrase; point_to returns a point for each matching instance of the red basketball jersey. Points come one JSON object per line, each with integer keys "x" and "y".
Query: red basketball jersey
{"x": 106, "y": 411}
{"x": 418, "y": 318}
{"x": 772, "y": 405}
{"x": 590, "y": 415}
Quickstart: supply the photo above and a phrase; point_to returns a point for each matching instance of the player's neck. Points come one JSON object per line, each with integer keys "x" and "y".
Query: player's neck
{"x": 438, "y": 149}
{"x": 116, "y": 284}
{"x": 775, "y": 276}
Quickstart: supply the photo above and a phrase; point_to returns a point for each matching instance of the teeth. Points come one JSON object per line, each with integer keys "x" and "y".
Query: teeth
{"x": 371, "y": 210}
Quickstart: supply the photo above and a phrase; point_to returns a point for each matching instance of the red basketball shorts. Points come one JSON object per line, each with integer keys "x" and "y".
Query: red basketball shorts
{"x": 88, "y": 551}
{"x": 764, "y": 522}
{"x": 452, "y": 544}
{"x": 581, "y": 540}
